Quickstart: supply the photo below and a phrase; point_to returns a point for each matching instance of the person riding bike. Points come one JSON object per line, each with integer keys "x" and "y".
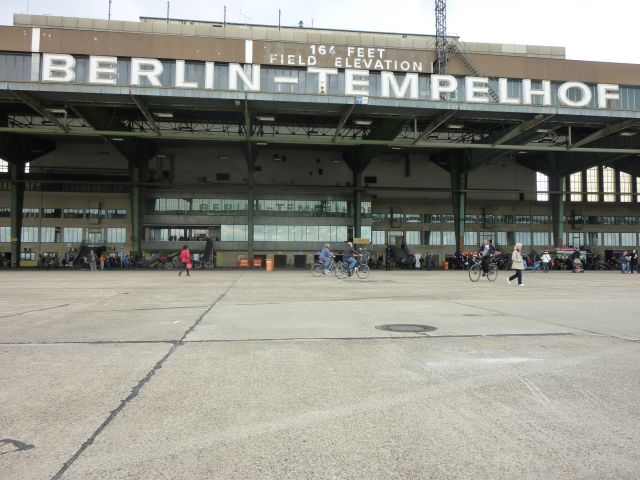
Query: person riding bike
{"x": 325, "y": 257}
{"x": 486, "y": 250}
{"x": 347, "y": 256}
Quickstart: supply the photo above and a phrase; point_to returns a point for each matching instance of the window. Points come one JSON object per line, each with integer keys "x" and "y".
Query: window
{"x": 49, "y": 235}
{"x": 171, "y": 205}
{"x": 5, "y": 234}
{"x": 504, "y": 219}
{"x": 30, "y": 213}
{"x": 159, "y": 234}
{"x": 540, "y": 219}
{"x": 611, "y": 239}
{"x": 524, "y": 238}
{"x": 523, "y": 219}
{"x": 448, "y": 238}
{"x": 471, "y": 238}
{"x": 542, "y": 187}
{"x": 447, "y": 219}
{"x": 541, "y": 238}
{"x": 29, "y": 234}
{"x": 116, "y": 235}
{"x": 73, "y": 235}
{"x": 413, "y": 218}
{"x": 592, "y": 184}
{"x": 5, "y": 212}
{"x": 73, "y": 213}
{"x": 625, "y": 187}
{"x": 365, "y": 208}
{"x": 378, "y": 237}
{"x": 609, "y": 184}
{"x": 379, "y": 217}
{"x": 233, "y": 233}
{"x": 51, "y": 213}
{"x": 470, "y": 218}
{"x": 412, "y": 238}
{"x": 575, "y": 187}
{"x": 432, "y": 218}
{"x": 116, "y": 214}
{"x": 628, "y": 240}
{"x": 94, "y": 213}
{"x": 593, "y": 239}
{"x": 434, "y": 238}
{"x": 4, "y": 166}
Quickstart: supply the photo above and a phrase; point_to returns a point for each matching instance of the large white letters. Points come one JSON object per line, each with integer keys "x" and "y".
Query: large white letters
{"x": 150, "y": 68}
{"x": 528, "y": 93}
{"x": 322, "y": 77}
{"x": 251, "y": 84}
{"x": 356, "y": 87}
{"x": 477, "y": 89}
{"x": 58, "y": 68}
{"x": 441, "y": 84}
{"x": 585, "y": 92}
{"x": 180, "y": 75}
{"x": 410, "y": 83}
{"x": 606, "y": 92}
{"x": 503, "y": 94}
{"x": 103, "y": 70}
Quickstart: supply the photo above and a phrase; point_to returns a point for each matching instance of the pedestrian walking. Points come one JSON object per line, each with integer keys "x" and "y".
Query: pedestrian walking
{"x": 185, "y": 261}
{"x": 624, "y": 262}
{"x": 92, "y": 260}
{"x": 633, "y": 262}
{"x": 102, "y": 260}
{"x": 546, "y": 260}
{"x": 517, "y": 264}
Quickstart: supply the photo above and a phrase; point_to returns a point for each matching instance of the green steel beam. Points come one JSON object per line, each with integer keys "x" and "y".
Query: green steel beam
{"x": 142, "y": 106}
{"x": 40, "y": 109}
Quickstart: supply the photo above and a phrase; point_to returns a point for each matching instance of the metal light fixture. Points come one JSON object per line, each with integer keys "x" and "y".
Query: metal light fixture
{"x": 363, "y": 122}
{"x": 164, "y": 114}
{"x": 455, "y": 126}
{"x": 263, "y": 118}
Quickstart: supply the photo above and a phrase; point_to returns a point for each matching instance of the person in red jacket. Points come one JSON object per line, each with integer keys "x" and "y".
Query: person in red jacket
{"x": 185, "y": 260}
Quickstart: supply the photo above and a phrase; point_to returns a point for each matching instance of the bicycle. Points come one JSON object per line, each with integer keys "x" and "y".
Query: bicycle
{"x": 361, "y": 269}
{"x": 318, "y": 268}
{"x": 475, "y": 270}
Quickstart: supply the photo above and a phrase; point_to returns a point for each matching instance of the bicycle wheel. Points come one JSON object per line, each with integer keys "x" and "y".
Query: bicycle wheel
{"x": 341, "y": 271}
{"x": 363, "y": 271}
{"x": 474, "y": 272}
{"x": 492, "y": 274}
{"x": 316, "y": 269}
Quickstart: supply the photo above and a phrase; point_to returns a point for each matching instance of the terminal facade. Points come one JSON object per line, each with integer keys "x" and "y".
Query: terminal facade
{"x": 140, "y": 137}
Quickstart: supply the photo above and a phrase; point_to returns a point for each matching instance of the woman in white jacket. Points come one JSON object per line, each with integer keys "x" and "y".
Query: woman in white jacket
{"x": 517, "y": 264}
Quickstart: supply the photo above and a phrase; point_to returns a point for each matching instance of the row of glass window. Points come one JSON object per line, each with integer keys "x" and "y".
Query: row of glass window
{"x": 214, "y": 206}
{"x": 66, "y": 235}
{"x": 602, "y": 184}
{"x": 470, "y": 218}
{"x": 113, "y": 213}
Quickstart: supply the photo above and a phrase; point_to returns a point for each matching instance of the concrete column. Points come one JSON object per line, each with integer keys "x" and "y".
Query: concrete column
{"x": 557, "y": 209}
{"x": 459, "y": 179}
{"x": 16, "y": 174}
{"x": 250, "y": 155}
{"x": 136, "y": 170}
{"x": 357, "y": 204}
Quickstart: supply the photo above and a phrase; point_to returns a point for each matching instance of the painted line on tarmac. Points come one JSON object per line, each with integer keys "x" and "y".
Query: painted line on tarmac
{"x": 36, "y": 310}
{"x": 416, "y": 336}
{"x": 153, "y": 308}
{"x": 135, "y": 391}
{"x": 89, "y": 342}
{"x": 524, "y": 317}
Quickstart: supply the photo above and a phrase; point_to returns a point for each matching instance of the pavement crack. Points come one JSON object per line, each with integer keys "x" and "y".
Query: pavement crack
{"x": 36, "y": 310}
{"x": 135, "y": 391}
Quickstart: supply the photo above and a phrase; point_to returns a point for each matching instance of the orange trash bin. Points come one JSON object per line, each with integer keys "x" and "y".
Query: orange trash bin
{"x": 445, "y": 265}
{"x": 269, "y": 263}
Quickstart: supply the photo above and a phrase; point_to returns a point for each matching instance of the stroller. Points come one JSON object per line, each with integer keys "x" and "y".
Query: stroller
{"x": 578, "y": 266}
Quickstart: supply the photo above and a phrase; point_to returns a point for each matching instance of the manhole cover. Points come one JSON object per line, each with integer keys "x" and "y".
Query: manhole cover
{"x": 406, "y": 328}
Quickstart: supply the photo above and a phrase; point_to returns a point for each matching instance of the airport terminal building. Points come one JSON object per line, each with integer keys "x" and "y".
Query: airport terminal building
{"x": 252, "y": 140}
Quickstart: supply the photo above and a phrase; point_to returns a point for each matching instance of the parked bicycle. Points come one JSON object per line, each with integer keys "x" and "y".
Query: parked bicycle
{"x": 475, "y": 270}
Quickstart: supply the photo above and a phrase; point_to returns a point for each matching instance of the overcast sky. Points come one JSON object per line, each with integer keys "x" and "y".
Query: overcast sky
{"x": 589, "y": 29}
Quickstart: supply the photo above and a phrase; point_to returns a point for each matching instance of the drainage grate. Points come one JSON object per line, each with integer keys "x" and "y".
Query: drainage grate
{"x": 406, "y": 328}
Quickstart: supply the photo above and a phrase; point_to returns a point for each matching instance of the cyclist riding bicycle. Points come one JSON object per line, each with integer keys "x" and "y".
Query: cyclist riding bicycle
{"x": 347, "y": 256}
{"x": 325, "y": 257}
{"x": 486, "y": 250}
